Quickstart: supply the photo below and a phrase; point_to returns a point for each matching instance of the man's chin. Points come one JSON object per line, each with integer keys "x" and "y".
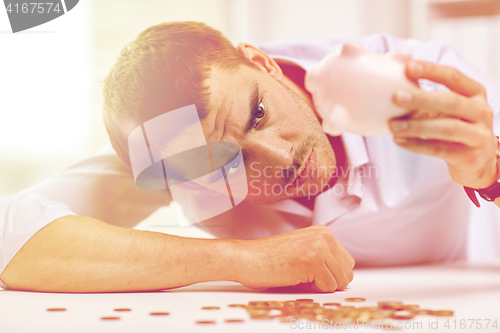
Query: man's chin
{"x": 308, "y": 190}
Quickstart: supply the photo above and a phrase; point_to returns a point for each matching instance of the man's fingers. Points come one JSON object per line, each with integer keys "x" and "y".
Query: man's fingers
{"x": 311, "y": 287}
{"x": 343, "y": 258}
{"x": 451, "y": 152}
{"x": 448, "y": 103}
{"x": 324, "y": 281}
{"x": 448, "y": 76}
{"x": 444, "y": 129}
{"x": 338, "y": 270}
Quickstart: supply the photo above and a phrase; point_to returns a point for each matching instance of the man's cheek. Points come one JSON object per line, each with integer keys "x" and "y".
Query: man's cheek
{"x": 254, "y": 171}
{"x": 254, "y": 188}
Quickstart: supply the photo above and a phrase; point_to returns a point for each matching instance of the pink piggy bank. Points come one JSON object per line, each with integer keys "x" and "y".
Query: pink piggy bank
{"x": 352, "y": 91}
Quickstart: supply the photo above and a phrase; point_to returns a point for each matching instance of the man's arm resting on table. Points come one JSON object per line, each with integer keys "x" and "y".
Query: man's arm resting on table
{"x": 81, "y": 254}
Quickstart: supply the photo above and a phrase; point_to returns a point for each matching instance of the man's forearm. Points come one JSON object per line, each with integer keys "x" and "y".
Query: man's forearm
{"x": 81, "y": 254}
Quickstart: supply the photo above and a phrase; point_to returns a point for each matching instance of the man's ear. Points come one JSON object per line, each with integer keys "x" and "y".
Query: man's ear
{"x": 261, "y": 59}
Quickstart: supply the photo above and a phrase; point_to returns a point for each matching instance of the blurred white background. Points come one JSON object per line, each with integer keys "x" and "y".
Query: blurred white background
{"x": 51, "y": 76}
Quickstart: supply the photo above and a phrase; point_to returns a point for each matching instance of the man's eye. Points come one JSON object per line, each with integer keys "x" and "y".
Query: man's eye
{"x": 260, "y": 114}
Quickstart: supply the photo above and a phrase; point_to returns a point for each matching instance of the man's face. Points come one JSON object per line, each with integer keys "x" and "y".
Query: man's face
{"x": 286, "y": 153}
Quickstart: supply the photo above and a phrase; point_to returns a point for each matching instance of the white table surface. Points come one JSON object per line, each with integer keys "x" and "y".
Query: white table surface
{"x": 471, "y": 290}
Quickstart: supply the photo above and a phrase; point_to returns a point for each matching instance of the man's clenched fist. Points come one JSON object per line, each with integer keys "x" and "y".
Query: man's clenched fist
{"x": 311, "y": 259}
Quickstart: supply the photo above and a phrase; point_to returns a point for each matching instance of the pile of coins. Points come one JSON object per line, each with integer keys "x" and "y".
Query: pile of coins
{"x": 307, "y": 309}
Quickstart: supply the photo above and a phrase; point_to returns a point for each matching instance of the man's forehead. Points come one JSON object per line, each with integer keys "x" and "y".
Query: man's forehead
{"x": 227, "y": 102}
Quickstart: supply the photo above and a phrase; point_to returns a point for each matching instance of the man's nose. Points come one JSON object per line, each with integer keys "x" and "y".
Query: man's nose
{"x": 277, "y": 152}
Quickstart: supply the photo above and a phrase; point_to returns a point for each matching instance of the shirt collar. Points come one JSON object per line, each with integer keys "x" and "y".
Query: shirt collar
{"x": 355, "y": 149}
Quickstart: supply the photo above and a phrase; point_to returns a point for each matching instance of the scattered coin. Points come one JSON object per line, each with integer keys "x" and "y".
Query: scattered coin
{"x": 410, "y": 306}
{"x": 346, "y": 307}
{"x": 122, "y": 310}
{"x": 159, "y": 313}
{"x": 381, "y": 314}
{"x": 203, "y": 322}
{"x": 331, "y": 304}
{"x": 307, "y": 304}
{"x": 423, "y": 312}
{"x": 355, "y": 299}
{"x": 110, "y": 318}
{"x": 211, "y": 308}
{"x": 275, "y": 304}
{"x": 442, "y": 313}
{"x": 254, "y": 303}
{"x": 234, "y": 321}
{"x": 368, "y": 308}
{"x": 403, "y": 315}
{"x": 56, "y": 309}
{"x": 391, "y": 305}
{"x": 237, "y": 306}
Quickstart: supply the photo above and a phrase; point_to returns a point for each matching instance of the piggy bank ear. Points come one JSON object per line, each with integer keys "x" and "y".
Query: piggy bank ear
{"x": 352, "y": 50}
{"x": 336, "y": 120}
{"x": 401, "y": 55}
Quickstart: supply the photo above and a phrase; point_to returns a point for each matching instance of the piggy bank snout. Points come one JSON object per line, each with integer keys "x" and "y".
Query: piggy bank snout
{"x": 335, "y": 120}
{"x": 352, "y": 50}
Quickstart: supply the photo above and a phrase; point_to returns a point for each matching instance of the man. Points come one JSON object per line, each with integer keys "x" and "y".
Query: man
{"x": 412, "y": 209}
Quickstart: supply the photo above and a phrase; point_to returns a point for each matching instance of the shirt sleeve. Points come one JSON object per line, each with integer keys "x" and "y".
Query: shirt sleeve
{"x": 22, "y": 216}
{"x": 102, "y": 187}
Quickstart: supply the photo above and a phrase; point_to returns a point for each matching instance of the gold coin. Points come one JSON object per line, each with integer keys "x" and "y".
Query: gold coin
{"x": 403, "y": 315}
{"x": 210, "y": 308}
{"x": 410, "y": 306}
{"x": 346, "y": 307}
{"x": 261, "y": 317}
{"x": 237, "y": 306}
{"x": 311, "y": 311}
{"x": 365, "y": 315}
{"x": 331, "y": 304}
{"x": 289, "y": 303}
{"x": 355, "y": 299}
{"x": 353, "y": 314}
{"x": 56, "y": 309}
{"x": 110, "y": 318}
{"x": 381, "y": 314}
{"x": 422, "y": 312}
{"x": 442, "y": 313}
{"x": 275, "y": 304}
{"x": 391, "y": 305}
{"x": 203, "y": 322}
{"x": 234, "y": 320}
{"x": 159, "y": 314}
{"x": 304, "y": 300}
{"x": 254, "y": 303}
{"x": 307, "y": 305}
{"x": 368, "y": 308}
